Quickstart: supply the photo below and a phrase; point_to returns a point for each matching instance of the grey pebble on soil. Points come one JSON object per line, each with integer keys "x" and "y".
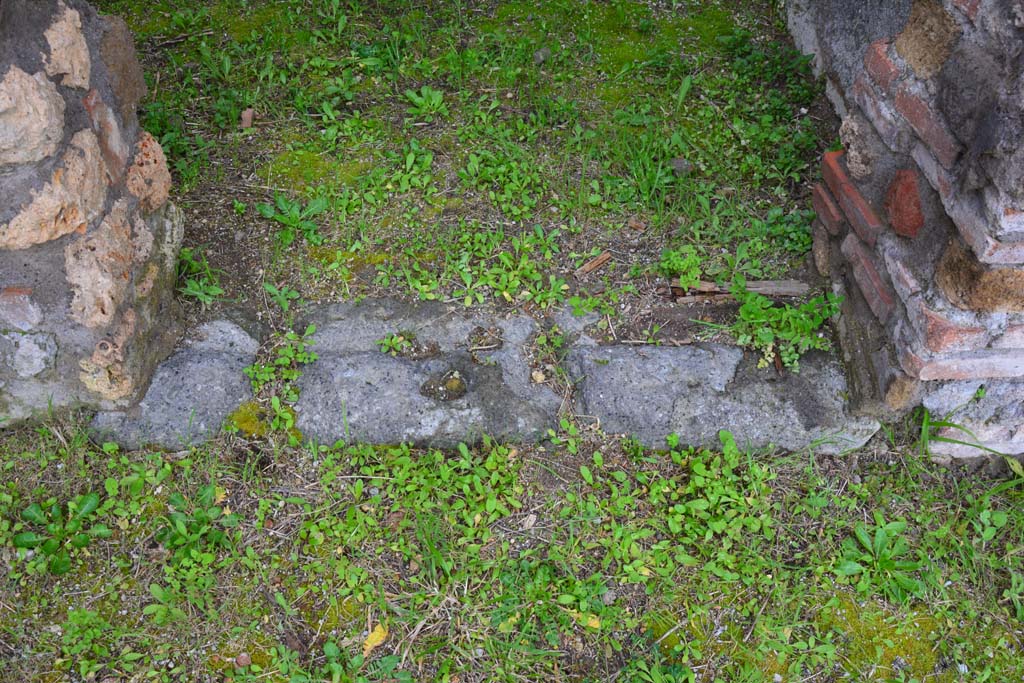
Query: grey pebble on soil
{"x": 470, "y": 376}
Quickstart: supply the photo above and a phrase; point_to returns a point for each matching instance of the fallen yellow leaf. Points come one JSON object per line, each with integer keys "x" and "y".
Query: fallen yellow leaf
{"x": 586, "y": 619}
{"x": 376, "y": 638}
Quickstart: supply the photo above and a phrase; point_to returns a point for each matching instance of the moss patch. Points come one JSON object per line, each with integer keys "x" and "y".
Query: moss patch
{"x": 250, "y": 419}
{"x": 301, "y": 169}
{"x": 889, "y": 646}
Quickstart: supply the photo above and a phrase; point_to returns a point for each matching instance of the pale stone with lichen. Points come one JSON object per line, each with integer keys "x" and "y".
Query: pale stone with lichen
{"x": 99, "y": 269}
{"x": 69, "y": 203}
{"x": 69, "y": 53}
{"x": 149, "y": 179}
{"x": 31, "y": 117}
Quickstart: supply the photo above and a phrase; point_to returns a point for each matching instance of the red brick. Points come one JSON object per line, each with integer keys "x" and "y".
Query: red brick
{"x": 939, "y": 334}
{"x": 882, "y": 69}
{"x": 903, "y": 204}
{"x": 827, "y": 209}
{"x": 903, "y": 279}
{"x": 966, "y": 212}
{"x": 1012, "y": 338}
{"x": 976, "y": 365}
{"x": 860, "y": 214}
{"x": 928, "y": 126}
{"x": 968, "y": 7}
{"x": 862, "y": 217}
{"x": 833, "y": 172}
{"x": 890, "y": 126}
{"x": 1005, "y": 212}
{"x": 879, "y": 296}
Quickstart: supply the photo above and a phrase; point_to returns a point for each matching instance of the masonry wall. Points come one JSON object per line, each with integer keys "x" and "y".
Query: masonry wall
{"x": 921, "y": 215}
{"x": 88, "y": 240}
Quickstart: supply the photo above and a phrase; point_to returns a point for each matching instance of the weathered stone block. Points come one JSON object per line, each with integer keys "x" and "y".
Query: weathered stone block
{"x": 928, "y": 38}
{"x": 694, "y": 391}
{"x": 179, "y": 410}
{"x": 69, "y": 54}
{"x": 118, "y": 51}
{"x": 112, "y": 144}
{"x": 149, "y": 179}
{"x": 69, "y": 203}
{"x": 17, "y": 310}
{"x": 970, "y": 285}
{"x": 356, "y": 393}
{"x": 31, "y": 117}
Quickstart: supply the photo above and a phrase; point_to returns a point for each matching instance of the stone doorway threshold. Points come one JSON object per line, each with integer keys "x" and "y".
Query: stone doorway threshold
{"x": 472, "y": 374}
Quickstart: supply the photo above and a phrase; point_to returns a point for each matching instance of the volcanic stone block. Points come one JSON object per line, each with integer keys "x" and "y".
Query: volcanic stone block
{"x": 471, "y": 377}
{"x": 695, "y": 391}
{"x": 192, "y": 393}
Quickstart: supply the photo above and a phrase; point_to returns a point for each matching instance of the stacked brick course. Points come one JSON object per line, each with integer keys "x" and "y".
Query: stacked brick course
{"x": 927, "y": 244}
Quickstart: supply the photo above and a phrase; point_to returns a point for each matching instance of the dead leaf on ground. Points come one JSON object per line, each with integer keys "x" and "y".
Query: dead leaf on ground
{"x": 376, "y": 638}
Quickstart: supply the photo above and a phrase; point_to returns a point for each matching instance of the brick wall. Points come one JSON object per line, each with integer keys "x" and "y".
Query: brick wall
{"x": 927, "y": 244}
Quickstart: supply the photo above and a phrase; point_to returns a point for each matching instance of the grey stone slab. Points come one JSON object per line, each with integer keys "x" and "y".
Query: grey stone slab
{"x": 695, "y": 391}
{"x": 191, "y": 395}
{"x": 355, "y": 392}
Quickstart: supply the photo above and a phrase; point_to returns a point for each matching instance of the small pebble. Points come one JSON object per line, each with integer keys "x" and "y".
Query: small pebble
{"x": 243, "y": 660}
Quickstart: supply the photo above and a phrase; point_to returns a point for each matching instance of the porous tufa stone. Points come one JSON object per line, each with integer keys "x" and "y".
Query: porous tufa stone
{"x": 31, "y": 117}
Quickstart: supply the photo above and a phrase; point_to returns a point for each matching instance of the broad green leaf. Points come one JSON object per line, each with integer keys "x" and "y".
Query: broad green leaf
{"x": 86, "y": 505}
{"x": 34, "y": 513}
{"x": 100, "y": 531}
{"x": 861, "y": 532}
{"x": 880, "y": 543}
{"x": 60, "y": 564}
{"x": 999, "y": 519}
{"x": 28, "y": 539}
{"x": 849, "y": 568}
